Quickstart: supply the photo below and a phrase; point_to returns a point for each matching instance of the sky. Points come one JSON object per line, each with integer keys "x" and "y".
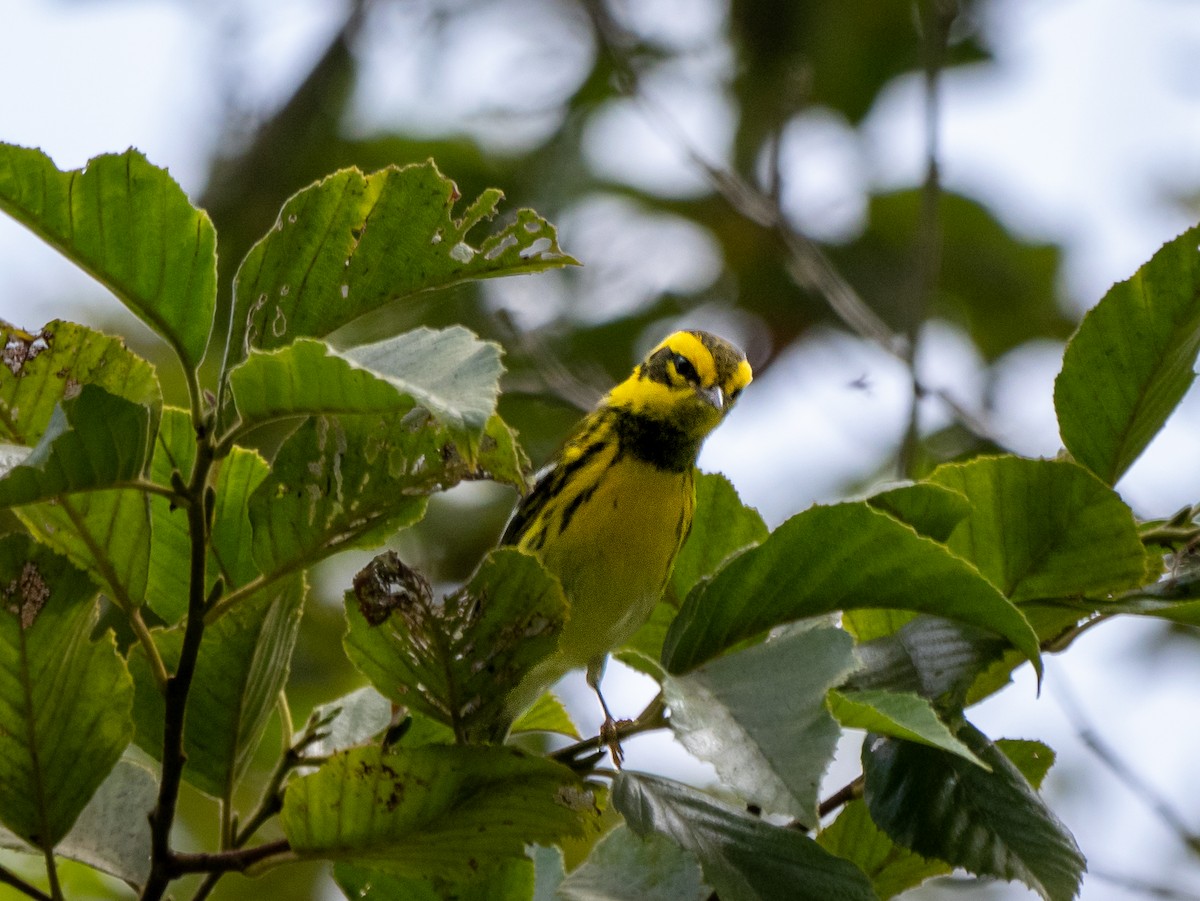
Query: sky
{"x": 1086, "y": 132}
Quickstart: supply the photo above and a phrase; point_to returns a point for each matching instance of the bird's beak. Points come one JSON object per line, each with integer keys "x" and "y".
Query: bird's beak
{"x": 714, "y": 396}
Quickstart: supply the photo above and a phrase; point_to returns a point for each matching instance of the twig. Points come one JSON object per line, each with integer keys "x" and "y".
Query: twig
{"x": 228, "y": 861}
{"x": 852, "y": 791}
{"x": 7, "y": 877}
{"x": 1125, "y": 773}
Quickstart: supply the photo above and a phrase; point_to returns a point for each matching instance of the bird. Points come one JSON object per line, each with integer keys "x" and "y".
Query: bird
{"x": 608, "y": 515}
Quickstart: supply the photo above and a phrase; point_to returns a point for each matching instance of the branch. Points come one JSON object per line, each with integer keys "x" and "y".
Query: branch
{"x": 228, "y": 861}
{"x": 852, "y": 791}
{"x": 583, "y": 755}
{"x": 163, "y": 859}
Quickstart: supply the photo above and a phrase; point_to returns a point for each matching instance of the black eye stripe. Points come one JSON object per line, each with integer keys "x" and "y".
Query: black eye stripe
{"x": 685, "y": 368}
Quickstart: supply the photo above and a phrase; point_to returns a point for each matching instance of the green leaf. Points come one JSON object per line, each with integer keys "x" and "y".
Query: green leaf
{"x": 170, "y": 546}
{"x": 243, "y": 664}
{"x": 759, "y": 717}
{"x": 933, "y": 510}
{"x": 742, "y": 857}
{"x": 892, "y": 869}
{"x": 41, "y": 370}
{"x": 450, "y": 373}
{"x": 1032, "y": 758}
{"x": 232, "y": 535}
{"x": 1044, "y": 528}
{"x": 64, "y": 699}
{"x": 989, "y": 823}
{"x": 352, "y": 243}
{"x": 129, "y": 225}
{"x": 104, "y": 533}
{"x": 94, "y": 440}
{"x": 846, "y": 556}
{"x": 899, "y": 715}
{"x": 433, "y": 810}
{"x": 722, "y": 526}
{"x": 627, "y": 867}
{"x": 320, "y": 498}
{"x": 547, "y": 715}
{"x": 456, "y": 660}
{"x": 508, "y": 880}
{"x": 1131, "y": 361}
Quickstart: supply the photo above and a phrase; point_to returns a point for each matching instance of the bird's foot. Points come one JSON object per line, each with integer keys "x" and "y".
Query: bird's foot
{"x": 610, "y": 737}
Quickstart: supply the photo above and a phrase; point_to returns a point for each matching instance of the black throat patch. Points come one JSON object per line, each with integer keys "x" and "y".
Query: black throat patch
{"x": 661, "y": 444}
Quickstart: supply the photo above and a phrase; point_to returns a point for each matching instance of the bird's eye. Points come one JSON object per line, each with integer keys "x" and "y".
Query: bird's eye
{"x": 684, "y": 367}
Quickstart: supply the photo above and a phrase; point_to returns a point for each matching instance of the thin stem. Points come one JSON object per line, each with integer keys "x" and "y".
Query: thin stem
{"x": 52, "y": 874}
{"x": 7, "y": 877}
{"x": 146, "y": 640}
{"x": 852, "y": 791}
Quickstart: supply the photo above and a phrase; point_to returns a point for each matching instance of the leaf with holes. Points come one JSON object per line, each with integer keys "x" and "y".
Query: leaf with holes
{"x": 350, "y": 244}
{"x": 129, "y": 225}
{"x": 43, "y": 369}
{"x": 434, "y": 810}
{"x": 455, "y": 660}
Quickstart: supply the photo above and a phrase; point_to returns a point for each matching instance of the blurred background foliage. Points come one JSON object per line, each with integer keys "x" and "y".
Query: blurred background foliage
{"x": 732, "y": 219}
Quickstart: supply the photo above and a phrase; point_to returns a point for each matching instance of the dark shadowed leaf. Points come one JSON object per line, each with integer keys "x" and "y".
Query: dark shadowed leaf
{"x": 933, "y": 510}
{"x": 742, "y": 857}
{"x": 508, "y": 880}
{"x": 94, "y": 440}
{"x": 244, "y": 662}
{"x": 989, "y": 823}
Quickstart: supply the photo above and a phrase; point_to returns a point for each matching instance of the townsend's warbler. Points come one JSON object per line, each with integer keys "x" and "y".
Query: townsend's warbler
{"x": 609, "y": 514}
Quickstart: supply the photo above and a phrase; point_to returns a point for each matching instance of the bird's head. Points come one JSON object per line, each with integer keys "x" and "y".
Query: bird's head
{"x": 690, "y": 381}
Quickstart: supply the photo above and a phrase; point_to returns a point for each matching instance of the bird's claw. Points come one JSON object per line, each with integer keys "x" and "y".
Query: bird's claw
{"x": 610, "y": 737}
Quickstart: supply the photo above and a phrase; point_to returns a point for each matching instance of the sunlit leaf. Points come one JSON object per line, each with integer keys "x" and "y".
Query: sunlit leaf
{"x": 352, "y": 243}
{"x": 64, "y": 699}
{"x": 1044, "y": 528}
{"x": 899, "y": 715}
{"x": 129, "y": 225}
{"x": 1131, "y": 360}
{"x": 433, "y": 810}
{"x": 45, "y": 368}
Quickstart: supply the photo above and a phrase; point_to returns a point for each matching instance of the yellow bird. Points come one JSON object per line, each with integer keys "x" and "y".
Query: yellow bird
{"x": 610, "y": 513}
